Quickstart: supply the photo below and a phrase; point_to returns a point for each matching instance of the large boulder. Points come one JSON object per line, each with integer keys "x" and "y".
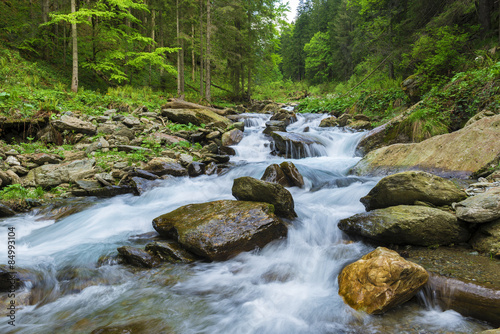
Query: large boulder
{"x": 487, "y": 239}
{"x": 481, "y": 208}
{"x": 403, "y": 224}
{"x": 73, "y": 124}
{"x": 221, "y": 229}
{"x": 297, "y": 145}
{"x": 461, "y": 153}
{"x": 53, "y": 175}
{"x": 286, "y": 116}
{"x": 249, "y": 189}
{"x": 379, "y": 281}
{"x": 194, "y": 116}
{"x": 408, "y": 187}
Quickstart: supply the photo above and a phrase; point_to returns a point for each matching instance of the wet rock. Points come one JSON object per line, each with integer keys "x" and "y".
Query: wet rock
{"x": 379, "y": 281}
{"x": 272, "y": 126}
{"x": 221, "y": 229}
{"x": 218, "y": 158}
{"x": 285, "y": 174}
{"x": 107, "y": 191}
{"x": 481, "y": 208}
{"x": 73, "y": 124}
{"x": 196, "y": 169}
{"x": 194, "y": 116}
{"x": 292, "y": 173}
{"x": 344, "y": 119}
{"x": 141, "y": 185}
{"x": 408, "y": 187}
{"x": 6, "y": 211}
{"x": 249, "y": 189}
{"x": 275, "y": 174}
{"x": 283, "y": 115}
{"x": 144, "y": 174}
{"x": 53, "y": 175}
{"x": 487, "y": 239}
{"x": 165, "y": 166}
{"x": 211, "y": 168}
{"x": 467, "y": 298}
{"x": 170, "y": 251}
{"x": 138, "y": 257}
{"x": 297, "y": 145}
{"x": 329, "y": 122}
{"x": 185, "y": 159}
{"x": 232, "y": 137}
{"x": 403, "y": 224}
{"x": 460, "y": 153}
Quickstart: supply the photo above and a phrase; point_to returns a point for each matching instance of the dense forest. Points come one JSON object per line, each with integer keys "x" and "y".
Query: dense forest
{"x": 238, "y": 47}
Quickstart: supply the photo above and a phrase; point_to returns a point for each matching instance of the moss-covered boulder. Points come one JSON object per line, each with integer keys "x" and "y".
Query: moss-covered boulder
{"x": 461, "y": 153}
{"x": 487, "y": 239}
{"x": 194, "y": 116}
{"x": 379, "y": 281}
{"x": 221, "y": 229}
{"x": 409, "y": 187}
{"x": 249, "y": 189}
{"x": 403, "y": 224}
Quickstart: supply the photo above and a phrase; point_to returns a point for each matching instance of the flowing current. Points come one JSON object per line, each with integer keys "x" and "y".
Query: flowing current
{"x": 289, "y": 286}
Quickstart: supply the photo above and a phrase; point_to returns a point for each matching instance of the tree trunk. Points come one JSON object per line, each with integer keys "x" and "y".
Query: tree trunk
{"x": 483, "y": 11}
{"x": 192, "y": 52}
{"x": 45, "y": 11}
{"x": 180, "y": 58}
{"x": 153, "y": 26}
{"x": 207, "y": 85}
{"x": 74, "y": 78}
{"x": 201, "y": 49}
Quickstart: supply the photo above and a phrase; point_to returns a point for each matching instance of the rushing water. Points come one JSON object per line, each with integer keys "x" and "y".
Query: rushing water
{"x": 290, "y": 286}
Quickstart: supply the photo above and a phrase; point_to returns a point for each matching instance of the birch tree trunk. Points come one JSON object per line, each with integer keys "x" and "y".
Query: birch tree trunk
{"x": 180, "y": 58}
{"x": 74, "y": 78}
{"x": 201, "y": 49}
{"x": 207, "y": 73}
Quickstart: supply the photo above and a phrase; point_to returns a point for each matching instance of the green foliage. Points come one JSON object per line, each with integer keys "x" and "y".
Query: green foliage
{"x": 437, "y": 53}
{"x": 333, "y": 104}
{"x": 17, "y": 191}
{"x": 176, "y": 127}
{"x": 318, "y": 58}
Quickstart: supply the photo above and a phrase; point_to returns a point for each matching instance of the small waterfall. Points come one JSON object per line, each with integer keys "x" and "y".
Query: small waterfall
{"x": 289, "y": 286}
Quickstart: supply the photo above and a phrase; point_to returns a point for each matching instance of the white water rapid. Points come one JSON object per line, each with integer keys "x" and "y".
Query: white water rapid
{"x": 290, "y": 286}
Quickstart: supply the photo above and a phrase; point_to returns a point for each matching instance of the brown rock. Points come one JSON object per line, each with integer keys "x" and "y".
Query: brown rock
{"x": 221, "y": 229}
{"x": 460, "y": 153}
{"x": 379, "y": 281}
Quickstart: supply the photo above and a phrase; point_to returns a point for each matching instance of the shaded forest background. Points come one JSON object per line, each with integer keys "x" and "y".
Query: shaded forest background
{"x": 243, "y": 49}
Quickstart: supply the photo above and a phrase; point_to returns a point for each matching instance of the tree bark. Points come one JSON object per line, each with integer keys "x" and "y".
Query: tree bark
{"x": 201, "y": 49}
{"x": 192, "y": 52}
{"x": 180, "y": 58}
{"x": 483, "y": 11}
{"x": 207, "y": 85}
{"x": 74, "y": 78}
